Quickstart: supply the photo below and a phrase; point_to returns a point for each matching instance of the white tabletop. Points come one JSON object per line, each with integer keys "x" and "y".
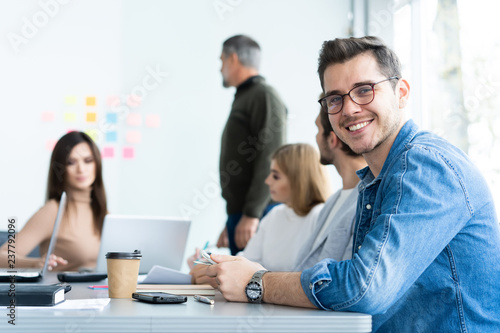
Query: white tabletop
{"x": 127, "y": 315}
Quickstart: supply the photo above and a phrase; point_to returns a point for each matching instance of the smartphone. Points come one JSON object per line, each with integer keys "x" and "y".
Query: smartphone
{"x": 159, "y": 298}
{"x": 81, "y": 276}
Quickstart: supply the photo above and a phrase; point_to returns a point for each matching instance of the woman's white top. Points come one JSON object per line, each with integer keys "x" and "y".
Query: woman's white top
{"x": 279, "y": 238}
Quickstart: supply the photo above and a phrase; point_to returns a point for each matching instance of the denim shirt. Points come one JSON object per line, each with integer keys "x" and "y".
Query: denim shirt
{"x": 426, "y": 254}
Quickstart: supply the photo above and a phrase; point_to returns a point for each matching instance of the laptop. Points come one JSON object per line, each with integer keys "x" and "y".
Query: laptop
{"x": 161, "y": 240}
{"x": 35, "y": 274}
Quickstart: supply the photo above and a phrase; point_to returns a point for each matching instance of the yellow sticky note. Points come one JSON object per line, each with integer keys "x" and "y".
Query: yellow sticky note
{"x": 70, "y": 100}
{"x": 70, "y": 117}
{"x": 90, "y": 101}
{"x": 91, "y": 117}
{"x": 93, "y": 133}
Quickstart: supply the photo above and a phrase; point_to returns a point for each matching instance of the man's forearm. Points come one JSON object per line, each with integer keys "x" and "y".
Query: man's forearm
{"x": 285, "y": 289}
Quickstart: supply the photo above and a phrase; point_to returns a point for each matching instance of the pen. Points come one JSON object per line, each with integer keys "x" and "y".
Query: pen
{"x": 98, "y": 287}
{"x": 206, "y": 245}
{"x": 204, "y": 299}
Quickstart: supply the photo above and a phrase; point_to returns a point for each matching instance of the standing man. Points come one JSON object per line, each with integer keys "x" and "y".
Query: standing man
{"x": 256, "y": 127}
{"x": 426, "y": 242}
{"x": 332, "y": 237}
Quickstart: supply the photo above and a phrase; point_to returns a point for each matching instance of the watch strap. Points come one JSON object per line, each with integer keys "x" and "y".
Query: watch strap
{"x": 257, "y": 278}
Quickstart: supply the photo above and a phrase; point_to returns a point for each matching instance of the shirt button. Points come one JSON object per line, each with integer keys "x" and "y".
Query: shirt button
{"x": 359, "y": 247}
{"x": 320, "y": 283}
{"x": 310, "y": 286}
{"x": 368, "y": 206}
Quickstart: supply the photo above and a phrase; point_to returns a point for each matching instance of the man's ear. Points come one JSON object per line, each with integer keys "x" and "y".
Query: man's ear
{"x": 404, "y": 93}
{"x": 332, "y": 140}
{"x": 234, "y": 58}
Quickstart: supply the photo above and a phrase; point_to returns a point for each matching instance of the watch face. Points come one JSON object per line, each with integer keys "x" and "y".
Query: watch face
{"x": 253, "y": 290}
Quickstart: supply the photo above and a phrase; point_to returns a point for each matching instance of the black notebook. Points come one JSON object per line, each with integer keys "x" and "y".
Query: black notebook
{"x": 31, "y": 294}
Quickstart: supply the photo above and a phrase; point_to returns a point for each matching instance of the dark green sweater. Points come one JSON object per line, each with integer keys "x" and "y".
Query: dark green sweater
{"x": 256, "y": 127}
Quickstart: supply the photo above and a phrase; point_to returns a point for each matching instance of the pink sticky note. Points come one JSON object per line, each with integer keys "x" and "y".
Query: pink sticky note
{"x": 153, "y": 120}
{"x": 133, "y": 100}
{"x": 133, "y": 137}
{"x": 134, "y": 119}
{"x": 50, "y": 144}
{"x": 128, "y": 152}
{"x": 108, "y": 152}
{"x": 113, "y": 101}
{"x": 48, "y": 116}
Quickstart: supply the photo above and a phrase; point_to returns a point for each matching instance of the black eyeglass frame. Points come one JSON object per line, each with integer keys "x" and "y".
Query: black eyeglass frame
{"x": 324, "y": 107}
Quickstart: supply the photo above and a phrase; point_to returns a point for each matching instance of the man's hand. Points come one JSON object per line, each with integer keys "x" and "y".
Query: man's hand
{"x": 223, "y": 241}
{"x": 199, "y": 276}
{"x": 232, "y": 275}
{"x": 247, "y": 226}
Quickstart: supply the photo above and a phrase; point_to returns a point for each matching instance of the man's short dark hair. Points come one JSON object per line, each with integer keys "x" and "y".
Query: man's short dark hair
{"x": 327, "y": 129}
{"x": 340, "y": 50}
{"x": 246, "y": 48}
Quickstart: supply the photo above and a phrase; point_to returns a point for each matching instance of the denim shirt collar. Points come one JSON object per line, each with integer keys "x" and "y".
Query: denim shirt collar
{"x": 405, "y": 136}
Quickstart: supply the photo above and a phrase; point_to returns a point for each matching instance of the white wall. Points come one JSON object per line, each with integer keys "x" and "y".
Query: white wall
{"x": 105, "y": 48}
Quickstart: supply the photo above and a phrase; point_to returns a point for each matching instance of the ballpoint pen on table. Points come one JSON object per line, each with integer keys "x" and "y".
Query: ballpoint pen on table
{"x": 204, "y": 299}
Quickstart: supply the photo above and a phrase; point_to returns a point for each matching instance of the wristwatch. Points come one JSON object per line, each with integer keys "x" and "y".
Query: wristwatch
{"x": 254, "y": 289}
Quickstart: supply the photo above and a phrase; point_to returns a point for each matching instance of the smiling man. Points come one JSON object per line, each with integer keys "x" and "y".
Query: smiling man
{"x": 426, "y": 248}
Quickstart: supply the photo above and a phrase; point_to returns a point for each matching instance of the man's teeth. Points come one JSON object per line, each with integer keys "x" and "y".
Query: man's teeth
{"x": 358, "y": 126}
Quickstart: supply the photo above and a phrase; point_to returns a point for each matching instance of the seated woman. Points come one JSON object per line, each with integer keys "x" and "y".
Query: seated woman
{"x": 299, "y": 181}
{"x": 75, "y": 167}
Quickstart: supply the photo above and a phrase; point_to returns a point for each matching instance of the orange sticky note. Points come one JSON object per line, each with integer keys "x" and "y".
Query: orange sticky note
{"x": 134, "y": 119}
{"x": 91, "y": 117}
{"x": 90, "y": 101}
{"x": 128, "y": 152}
{"x": 153, "y": 120}
{"x": 133, "y": 136}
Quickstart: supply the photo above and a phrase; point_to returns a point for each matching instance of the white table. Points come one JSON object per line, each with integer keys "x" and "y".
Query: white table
{"x": 127, "y": 315}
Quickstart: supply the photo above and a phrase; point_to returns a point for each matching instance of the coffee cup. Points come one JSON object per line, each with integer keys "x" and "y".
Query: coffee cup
{"x": 123, "y": 271}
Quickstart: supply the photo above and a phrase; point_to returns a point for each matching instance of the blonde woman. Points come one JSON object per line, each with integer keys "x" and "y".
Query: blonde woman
{"x": 299, "y": 181}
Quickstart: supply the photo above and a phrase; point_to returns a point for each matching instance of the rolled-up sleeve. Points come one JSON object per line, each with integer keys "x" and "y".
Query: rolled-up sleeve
{"x": 315, "y": 279}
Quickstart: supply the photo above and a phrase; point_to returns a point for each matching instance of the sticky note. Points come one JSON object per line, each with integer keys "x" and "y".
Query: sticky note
{"x": 153, "y": 120}
{"x": 48, "y": 116}
{"x": 113, "y": 101}
{"x": 93, "y": 133}
{"x": 111, "y": 118}
{"x": 90, "y": 101}
{"x": 134, "y": 119}
{"x": 133, "y": 100}
{"x": 111, "y": 136}
{"x": 70, "y": 100}
{"x": 108, "y": 152}
{"x": 128, "y": 152}
{"x": 70, "y": 117}
{"x": 91, "y": 117}
{"x": 133, "y": 136}
{"x": 50, "y": 144}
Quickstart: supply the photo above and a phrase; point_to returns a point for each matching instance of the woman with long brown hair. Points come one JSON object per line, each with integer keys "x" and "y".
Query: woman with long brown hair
{"x": 75, "y": 168}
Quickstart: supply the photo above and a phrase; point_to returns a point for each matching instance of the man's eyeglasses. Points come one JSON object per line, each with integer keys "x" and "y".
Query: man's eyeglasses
{"x": 361, "y": 95}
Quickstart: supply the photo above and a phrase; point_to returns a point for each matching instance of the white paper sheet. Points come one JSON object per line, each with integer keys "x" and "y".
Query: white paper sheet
{"x": 163, "y": 275}
{"x": 73, "y": 304}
